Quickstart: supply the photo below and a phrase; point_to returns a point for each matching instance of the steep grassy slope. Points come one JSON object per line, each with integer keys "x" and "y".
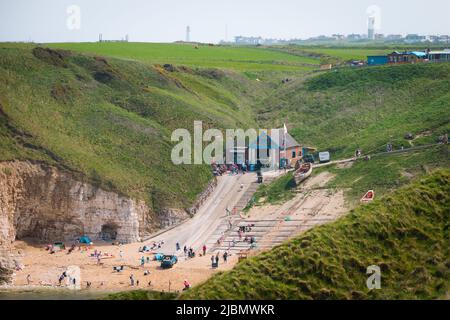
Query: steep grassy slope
{"x": 141, "y": 295}
{"x": 406, "y": 234}
{"x": 366, "y": 108}
{"x": 111, "y": 120}
{"x": 386, "y": 172}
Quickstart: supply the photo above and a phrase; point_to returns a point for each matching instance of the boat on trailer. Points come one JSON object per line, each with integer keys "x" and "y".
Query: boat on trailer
{"x": 303, "y": 172}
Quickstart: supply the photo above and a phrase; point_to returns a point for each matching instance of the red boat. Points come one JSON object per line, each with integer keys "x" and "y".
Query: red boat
{"x": 369, "y": 196}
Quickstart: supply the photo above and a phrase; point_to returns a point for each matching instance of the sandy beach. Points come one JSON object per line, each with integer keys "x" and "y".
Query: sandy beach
{"x": 45, "y": 268}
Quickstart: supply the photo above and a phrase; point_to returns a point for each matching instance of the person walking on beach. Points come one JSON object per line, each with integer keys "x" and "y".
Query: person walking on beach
{"x": 204, "y": 249}
{"x": 142, "y": 261}
{"x": 121, "y": 254}
{"x": 178, "y": 246}
{"x": 225, "y": 256}
{"x": 212, "y": 261}
{"x": 61, "y": 278}
{"x": 28, "y": 279}
{"x": 186, "y": 284}
{"x": 132, "y": 280}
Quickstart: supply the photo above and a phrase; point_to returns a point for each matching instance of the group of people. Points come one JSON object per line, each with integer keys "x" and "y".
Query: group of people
{"x": 218, "y": 169}
{"x": 246, "y": 228}
{"x": 233, "y": 169}
{"x": 73, "y": 281}
{"x": 144, "y": 260}
{"x": 215, "y": 259}
{"x": 189, "y": 253}
{"x": 157, "y": 245}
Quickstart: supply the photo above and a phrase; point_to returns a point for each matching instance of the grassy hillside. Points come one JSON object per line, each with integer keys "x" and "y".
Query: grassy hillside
{"x": 386, "y": 172}
{"x": 141, "y": 295}
{"x": 110, "y": 120}
{"x": 345, "y": 109}
{"x": 242, "y": 59}
{"x": 406, "y": 234}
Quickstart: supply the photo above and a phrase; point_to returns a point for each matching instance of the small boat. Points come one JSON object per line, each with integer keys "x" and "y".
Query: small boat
{"x": 303, "y": 172}
{"x": 369, "y": 196}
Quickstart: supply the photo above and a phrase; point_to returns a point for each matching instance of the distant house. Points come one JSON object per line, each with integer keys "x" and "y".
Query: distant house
{"x": 272, "y": 149}
{"x": 439, "y": 56}
{"x": 412, "y": 57}
{"x": 406, "y": 57}
{"x": 377, "y": 60}
{"x": 290, "y": 149}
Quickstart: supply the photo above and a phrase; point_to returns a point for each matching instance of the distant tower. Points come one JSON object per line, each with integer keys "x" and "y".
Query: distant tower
{"x": 371, "y": 32}
{"x": 188, "y": 34}
{"x": 100, "y": 36}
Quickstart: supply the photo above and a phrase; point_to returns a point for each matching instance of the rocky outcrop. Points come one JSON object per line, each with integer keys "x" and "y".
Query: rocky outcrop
{"x": 48, "y": 204}
{"x": 42, "y": 202}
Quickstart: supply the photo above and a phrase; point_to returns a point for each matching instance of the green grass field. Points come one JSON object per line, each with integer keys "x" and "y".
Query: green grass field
{"x": 242, "y": 59}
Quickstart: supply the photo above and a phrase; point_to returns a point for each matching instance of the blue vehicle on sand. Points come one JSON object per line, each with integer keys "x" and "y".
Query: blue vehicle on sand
{"x": 169, "y": 261}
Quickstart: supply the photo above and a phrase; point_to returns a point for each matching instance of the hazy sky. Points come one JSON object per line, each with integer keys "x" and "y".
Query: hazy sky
{"x": 166, "y": 20}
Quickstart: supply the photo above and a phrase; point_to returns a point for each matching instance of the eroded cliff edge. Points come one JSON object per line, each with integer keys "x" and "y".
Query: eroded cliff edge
{"x": 45, "y": 203}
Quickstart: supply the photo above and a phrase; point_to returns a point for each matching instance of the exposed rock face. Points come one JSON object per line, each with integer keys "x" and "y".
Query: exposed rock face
{"x": 42, "y": 202}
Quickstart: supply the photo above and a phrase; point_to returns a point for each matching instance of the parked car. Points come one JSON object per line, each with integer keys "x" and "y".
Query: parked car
{"x": 324, "y": 157}
{"x": 169, "y": 261}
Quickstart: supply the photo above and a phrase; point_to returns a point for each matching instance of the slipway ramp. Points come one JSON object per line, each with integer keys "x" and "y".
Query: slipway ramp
{"x": 198, "y": 230}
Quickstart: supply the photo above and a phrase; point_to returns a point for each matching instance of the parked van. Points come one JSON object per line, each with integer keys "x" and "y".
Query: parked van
{"x": 324, "y": 157}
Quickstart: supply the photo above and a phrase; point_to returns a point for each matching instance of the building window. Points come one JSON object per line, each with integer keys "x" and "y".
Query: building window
{"x": 293, "y": 154}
